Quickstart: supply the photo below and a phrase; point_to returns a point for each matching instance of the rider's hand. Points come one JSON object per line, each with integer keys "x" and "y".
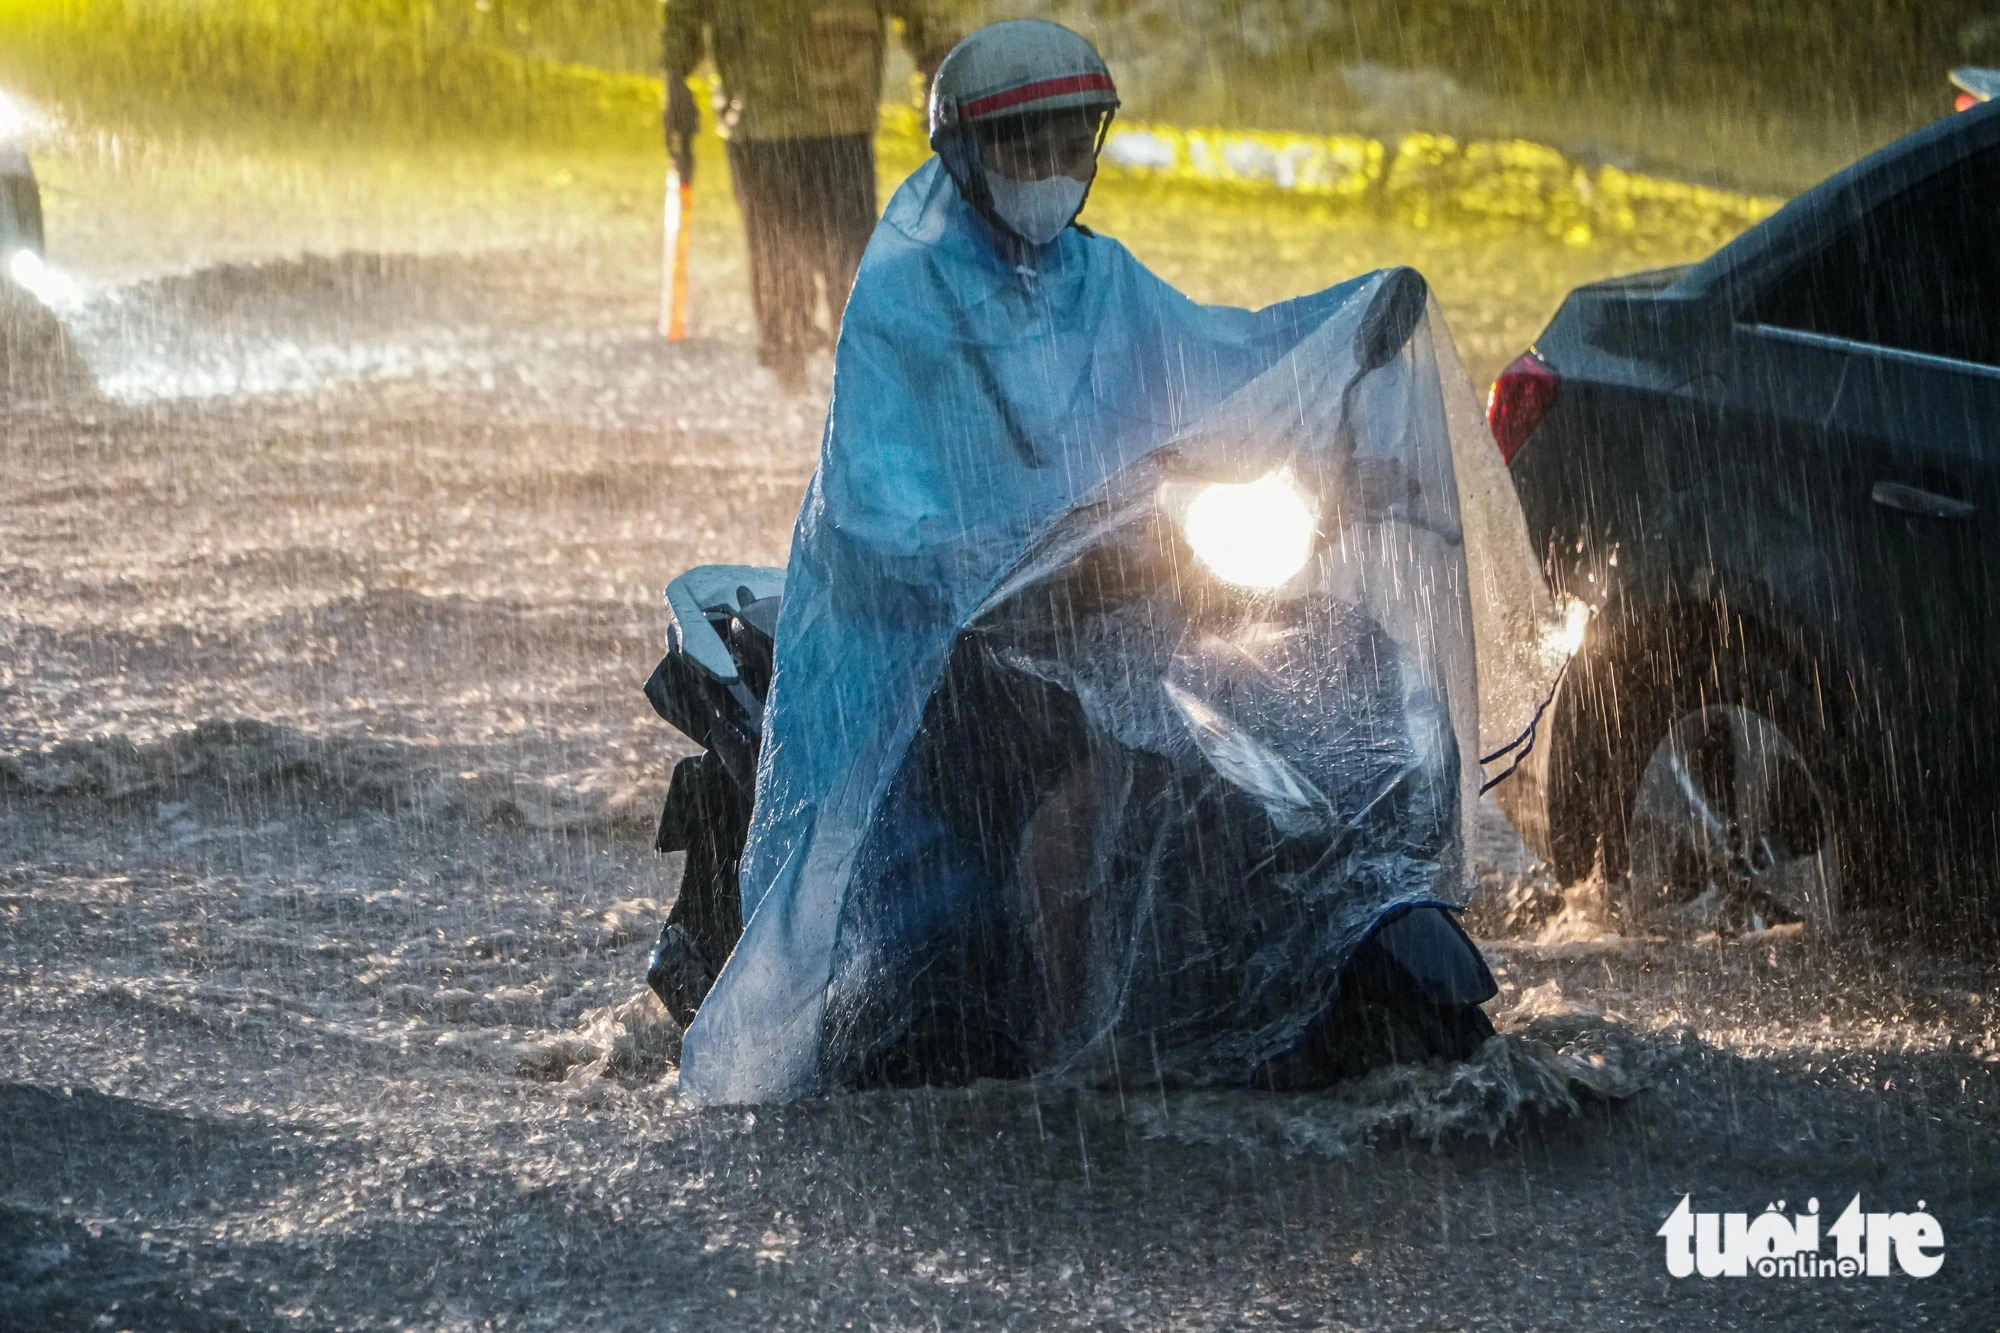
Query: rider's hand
{"x": 681, "y": 121}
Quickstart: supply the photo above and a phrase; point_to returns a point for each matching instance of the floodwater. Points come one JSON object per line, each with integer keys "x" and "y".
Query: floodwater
{"x": 326, "y": 794}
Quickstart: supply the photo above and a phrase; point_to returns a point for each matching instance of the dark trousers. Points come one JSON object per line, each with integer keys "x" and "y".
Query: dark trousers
{"x": 808, "y": 208}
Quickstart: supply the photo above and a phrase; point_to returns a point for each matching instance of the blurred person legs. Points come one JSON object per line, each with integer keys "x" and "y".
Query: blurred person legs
{"x": 808, "y": 208}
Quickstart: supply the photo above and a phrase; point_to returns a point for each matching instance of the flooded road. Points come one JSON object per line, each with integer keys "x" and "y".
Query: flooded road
{"x": 326, "y": 799}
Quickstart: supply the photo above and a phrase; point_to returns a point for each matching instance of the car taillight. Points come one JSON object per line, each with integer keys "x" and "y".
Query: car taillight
{"x": 1521, "y": 397}
{"x": 1964, "y": 102}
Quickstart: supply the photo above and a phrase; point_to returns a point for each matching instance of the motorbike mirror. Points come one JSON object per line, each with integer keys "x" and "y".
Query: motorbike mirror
{"x": 1391, "y": 318}
{"x": 718, "y": 588}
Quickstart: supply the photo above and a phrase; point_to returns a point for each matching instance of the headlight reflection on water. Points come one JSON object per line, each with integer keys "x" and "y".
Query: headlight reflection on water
{"x": 1257, "y": 534}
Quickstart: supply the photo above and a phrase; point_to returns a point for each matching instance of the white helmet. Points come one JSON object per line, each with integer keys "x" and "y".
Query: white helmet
{"x": 1018, "y": 68}
{"x": 1013, "y": 68}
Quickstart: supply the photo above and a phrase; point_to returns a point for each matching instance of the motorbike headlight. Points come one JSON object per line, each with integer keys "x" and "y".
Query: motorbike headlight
{"x": 37, "y": 279}
{"x": 1256, "y": 534}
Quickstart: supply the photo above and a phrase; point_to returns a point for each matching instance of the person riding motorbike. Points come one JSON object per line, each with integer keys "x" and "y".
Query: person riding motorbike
{"x": 999, "y": 364}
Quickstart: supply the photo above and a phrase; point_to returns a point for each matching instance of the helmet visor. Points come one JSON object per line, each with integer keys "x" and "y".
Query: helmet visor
{"x": 1040, "y": 145}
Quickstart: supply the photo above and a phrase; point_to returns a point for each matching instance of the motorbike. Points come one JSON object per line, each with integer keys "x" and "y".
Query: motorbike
{"x": 1170, "y": 757}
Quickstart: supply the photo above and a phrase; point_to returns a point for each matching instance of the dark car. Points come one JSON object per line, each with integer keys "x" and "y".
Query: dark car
{"x": 1777, "y": 473}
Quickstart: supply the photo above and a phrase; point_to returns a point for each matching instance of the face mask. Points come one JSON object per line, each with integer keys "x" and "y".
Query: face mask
{"x": 1036, "y": 211}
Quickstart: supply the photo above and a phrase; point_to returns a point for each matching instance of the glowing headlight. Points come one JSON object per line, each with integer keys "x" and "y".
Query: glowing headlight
{"x": 1560, "y": 642}
{"x": 45, "y": 284}
{"x": 1255, "y": 535}
{"x": 18, "y": 120}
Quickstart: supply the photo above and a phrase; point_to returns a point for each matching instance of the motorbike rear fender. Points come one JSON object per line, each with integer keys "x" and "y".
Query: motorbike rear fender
{"x": 723, "y": 719}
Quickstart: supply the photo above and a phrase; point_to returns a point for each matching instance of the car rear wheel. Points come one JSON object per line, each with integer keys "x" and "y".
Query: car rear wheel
{"x": 1731, "y": 827}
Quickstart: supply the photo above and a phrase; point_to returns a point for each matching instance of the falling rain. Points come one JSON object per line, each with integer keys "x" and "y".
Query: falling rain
{"x": 1184, "y": 663}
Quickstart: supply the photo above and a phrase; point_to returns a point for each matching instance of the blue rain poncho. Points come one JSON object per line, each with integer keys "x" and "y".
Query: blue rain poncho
{"x": 995, "y": 428}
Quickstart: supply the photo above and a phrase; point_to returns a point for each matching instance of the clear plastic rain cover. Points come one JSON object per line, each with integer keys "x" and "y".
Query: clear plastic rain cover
{"x": 1125, "y": 673}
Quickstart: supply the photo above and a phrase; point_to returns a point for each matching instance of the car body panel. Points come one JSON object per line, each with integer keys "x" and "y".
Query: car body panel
{"x": 1710, "y": 448}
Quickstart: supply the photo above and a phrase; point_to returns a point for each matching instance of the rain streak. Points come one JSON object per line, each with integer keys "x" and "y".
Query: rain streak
{"x": 1238, "y": 664}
